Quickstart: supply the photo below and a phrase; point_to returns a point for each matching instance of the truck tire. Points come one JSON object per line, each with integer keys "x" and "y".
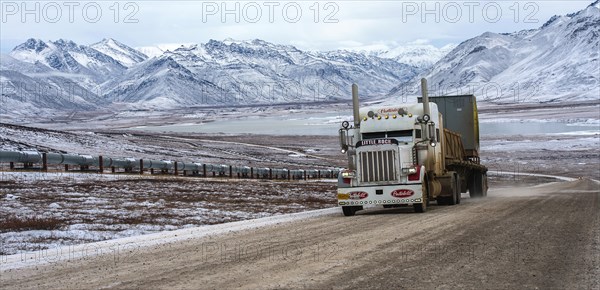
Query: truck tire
{"x": 484, "y": 185}
{"x": 420, "y": 207}
{"x": 477, "y": 186}
{"x": 453, "y": 199}
{"x": 458, "y": 189}
{"x": 351, "y": 210}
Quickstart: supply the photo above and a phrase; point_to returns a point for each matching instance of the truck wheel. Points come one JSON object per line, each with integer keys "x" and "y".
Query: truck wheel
{"x": 351, "y": 210}
{"x": 476, "y": 186}
{"x": 484, "y": 186}
{"x": 420, "y": 207}
{"x": 348, "y": 210}
{"x": 452, "y": 200}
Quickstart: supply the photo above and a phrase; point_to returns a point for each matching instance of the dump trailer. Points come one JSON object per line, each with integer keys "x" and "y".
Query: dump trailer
{"x": 411, "y": 154}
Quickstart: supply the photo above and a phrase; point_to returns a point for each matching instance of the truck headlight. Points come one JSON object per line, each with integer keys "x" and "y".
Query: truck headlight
{"x": 348, "y": 174}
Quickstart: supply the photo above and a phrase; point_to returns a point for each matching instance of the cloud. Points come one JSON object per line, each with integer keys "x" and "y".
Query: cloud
{"x": 310, "y": 25}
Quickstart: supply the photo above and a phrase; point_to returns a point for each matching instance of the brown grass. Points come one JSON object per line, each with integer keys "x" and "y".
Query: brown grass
{"x": 15, "y": 224}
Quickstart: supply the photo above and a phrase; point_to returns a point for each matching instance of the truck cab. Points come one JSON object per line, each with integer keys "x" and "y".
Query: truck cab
{"x": 388, "y": 157}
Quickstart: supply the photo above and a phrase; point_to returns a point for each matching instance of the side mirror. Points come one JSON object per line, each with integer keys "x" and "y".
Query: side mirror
{"x": 432, "y": 134}
{"x": 343, "y": 140}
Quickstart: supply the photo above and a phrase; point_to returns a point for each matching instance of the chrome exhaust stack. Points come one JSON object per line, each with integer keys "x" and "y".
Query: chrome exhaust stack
{"x": 355, "y": 106}
{"x": 425, "y": 96}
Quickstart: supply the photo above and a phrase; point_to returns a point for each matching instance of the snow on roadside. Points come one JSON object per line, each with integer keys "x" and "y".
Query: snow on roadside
{"x": 133, "y": 244}
{"x": 45, "y": 210}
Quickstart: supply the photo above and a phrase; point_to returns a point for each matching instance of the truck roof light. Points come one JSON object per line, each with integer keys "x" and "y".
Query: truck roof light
{"x": 394, "y": 116}
{"x": 365, "y": 119}
{"x": 387, "y": 117}
{"x": 378, "y": 117}
{"x": 410, "y": 115}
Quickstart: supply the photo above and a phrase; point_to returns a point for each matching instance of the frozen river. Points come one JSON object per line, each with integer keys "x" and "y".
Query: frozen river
{"x": 328, "y": 124}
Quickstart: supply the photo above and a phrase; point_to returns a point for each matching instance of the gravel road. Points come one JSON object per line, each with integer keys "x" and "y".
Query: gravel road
{"x": 544, "y": 236}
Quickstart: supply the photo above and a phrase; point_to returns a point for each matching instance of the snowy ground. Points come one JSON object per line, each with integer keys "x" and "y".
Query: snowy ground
{"x": 45, "y": 210}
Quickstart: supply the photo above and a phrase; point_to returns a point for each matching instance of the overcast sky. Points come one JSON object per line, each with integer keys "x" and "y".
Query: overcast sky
{"x": 309, "y": 25}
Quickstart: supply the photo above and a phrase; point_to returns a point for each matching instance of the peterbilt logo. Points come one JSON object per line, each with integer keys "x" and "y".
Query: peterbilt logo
{"x": 358, "y": 195}
{"x": 401, "y": 193}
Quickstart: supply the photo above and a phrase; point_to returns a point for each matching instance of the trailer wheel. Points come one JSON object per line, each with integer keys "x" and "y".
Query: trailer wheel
{"x": 478, "y": 185}
{"x": 458, "y": 189}
{"x": 484, "y": 185}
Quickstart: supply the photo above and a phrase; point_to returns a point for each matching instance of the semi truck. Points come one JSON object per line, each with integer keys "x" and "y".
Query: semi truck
{"x": 411, "y": 154}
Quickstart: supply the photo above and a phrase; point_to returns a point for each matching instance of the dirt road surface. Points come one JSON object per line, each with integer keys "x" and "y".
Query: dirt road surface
{"x": 544, "y": 237}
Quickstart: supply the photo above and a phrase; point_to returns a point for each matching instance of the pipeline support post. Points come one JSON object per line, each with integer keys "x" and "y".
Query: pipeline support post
{"x": 204, "y": 170}
{"x": 141, "y": 166}
{"x": 12, "y": 165}
{"x": 100, "y": 164}
{"x": 66, "y": 167}
{"x": 251, "y": 172}
{"x": 44, "y": 162}
{"x": 176, "y": 169}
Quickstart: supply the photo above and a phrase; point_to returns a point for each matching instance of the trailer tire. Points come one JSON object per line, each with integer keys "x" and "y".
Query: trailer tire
{"x": 478, "y": 185}
{"x": 458, "y": 189}
{"x": 484, "y": 185}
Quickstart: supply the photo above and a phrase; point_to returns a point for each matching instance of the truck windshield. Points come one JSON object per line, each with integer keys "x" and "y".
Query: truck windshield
{"x": 401, "y": 136}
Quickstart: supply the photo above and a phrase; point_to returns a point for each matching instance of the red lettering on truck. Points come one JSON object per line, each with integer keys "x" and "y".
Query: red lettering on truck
{"x": 358, "y": 195}
{"x": 401, "y": 193}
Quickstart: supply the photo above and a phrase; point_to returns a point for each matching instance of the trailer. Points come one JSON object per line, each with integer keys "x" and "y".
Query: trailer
{"x": 411, "y": 154}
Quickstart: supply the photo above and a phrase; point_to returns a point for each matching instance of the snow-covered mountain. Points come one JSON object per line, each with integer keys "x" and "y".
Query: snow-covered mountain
{"x": 87, "y": 65}
{"x": 33, "y": 88}
{"x": 420, "y": 55}
{"x": 225, "y": 72}
{"x": 259, "y": 71}
{"x": 122, "y": 53}
{"x": 560, "y": 61}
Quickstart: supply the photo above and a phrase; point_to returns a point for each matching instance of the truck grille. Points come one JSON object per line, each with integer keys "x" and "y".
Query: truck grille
{"x": 377, "y": 166}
